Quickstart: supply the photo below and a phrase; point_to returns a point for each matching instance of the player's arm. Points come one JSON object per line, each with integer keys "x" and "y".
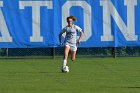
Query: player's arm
{"x": 81, "y": 34}
{"x": 60, "y": 40}
{"x": 60, "y": 36}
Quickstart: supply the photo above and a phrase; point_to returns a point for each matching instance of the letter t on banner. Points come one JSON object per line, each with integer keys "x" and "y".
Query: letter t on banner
{"x": 36, "y": 37}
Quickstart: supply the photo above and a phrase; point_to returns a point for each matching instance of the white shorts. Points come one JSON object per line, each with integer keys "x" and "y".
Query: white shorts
{"x": 72, "y": 47}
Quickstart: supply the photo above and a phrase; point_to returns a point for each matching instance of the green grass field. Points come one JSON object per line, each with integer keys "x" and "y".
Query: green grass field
{"x": 87, "y": 75}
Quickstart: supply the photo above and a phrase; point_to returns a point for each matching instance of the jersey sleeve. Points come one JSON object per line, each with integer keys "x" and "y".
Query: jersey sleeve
{"x": 63, "y": 30}
{"x": 78, "y": 29}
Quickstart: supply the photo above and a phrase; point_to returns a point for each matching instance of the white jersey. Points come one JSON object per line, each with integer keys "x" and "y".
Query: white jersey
{"x": 71, "y": 34}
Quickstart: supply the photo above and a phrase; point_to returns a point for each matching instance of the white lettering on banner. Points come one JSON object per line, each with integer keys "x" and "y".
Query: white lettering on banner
{"x": 109, "y": 10}
{"x": 87, "y": 16}
{"x": 36, "y": 37}
{"x": 5, "y": 36}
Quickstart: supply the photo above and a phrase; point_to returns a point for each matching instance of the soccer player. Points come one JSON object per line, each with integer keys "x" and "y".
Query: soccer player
{"x": 71, "y": 42}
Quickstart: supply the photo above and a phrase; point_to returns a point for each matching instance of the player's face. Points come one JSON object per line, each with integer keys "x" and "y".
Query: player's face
{"x": 70, "y": 21}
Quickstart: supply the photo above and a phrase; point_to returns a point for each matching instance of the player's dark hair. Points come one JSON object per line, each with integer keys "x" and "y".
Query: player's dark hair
{"x": 72, "y": 17}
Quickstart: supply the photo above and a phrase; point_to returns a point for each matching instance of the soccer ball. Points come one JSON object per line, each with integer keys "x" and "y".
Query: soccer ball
{"x": 65, "y": 69}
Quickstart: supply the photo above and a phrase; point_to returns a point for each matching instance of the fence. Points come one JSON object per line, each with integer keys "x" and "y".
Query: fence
{"x": 82, "y": 52}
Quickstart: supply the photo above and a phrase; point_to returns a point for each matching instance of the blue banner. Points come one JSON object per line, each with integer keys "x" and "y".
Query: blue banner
{"x": 37, "y": 23}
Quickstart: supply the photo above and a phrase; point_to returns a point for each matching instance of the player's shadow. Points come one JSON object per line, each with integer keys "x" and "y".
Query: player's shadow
{"x": 131, "y": 87}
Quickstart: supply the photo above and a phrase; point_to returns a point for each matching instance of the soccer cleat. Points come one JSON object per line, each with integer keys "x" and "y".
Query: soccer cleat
{"x": 62, "y": 70}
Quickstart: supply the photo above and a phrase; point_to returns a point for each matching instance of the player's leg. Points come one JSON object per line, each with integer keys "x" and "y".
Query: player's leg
{"x": 73, "y": 52}
{"x": 73, "y": 55}
{"x": 66, "y": 52}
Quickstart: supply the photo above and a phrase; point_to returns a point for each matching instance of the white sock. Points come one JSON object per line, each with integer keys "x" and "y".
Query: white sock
{"x": 64, "y": 62}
